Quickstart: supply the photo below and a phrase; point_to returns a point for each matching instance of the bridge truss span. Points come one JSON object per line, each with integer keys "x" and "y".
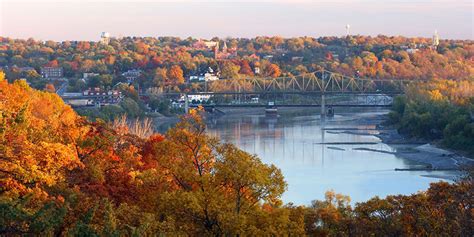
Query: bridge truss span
{"x": 321, "y": 81}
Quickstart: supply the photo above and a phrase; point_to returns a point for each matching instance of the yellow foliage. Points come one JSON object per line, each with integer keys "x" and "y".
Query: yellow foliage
{"x": 37, "y": 138}
{"x": 436, "y": 95}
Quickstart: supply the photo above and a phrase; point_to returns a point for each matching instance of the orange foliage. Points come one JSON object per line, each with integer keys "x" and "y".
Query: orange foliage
{"x": 36, "y": 138}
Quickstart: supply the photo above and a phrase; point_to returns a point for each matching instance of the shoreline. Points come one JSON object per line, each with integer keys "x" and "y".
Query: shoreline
{"x": 420, "y": 151}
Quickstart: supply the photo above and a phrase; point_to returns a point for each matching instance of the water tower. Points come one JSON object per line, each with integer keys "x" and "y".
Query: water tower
{"x": 348, "y": 27}
{"x": 104, "y": 38}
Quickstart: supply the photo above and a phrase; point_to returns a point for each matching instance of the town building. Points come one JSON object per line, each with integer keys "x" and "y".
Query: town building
{"x": 225, "y": 53}
{"x": 256, "y": 70}
{"x": 131, "y": 75}
{"x": 23, "y": 69}
{"x": 204, "y": 44}
{"x": 101, "y": 97}
{"x": 97, "y": 91}
{"x": 207, "y": 76}
{"x": 88, "y": 75}
{"x": 52, "y": 72}
{"x": 411, "y": 50}
{"x": 268, "y": 57}
{"x": 299, "y": 59}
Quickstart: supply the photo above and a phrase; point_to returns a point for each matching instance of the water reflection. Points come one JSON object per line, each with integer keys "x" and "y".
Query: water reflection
{"x": 296, "y": 144}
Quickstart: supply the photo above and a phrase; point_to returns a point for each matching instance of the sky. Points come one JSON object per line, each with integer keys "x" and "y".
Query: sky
{"x": 85, "y": 19}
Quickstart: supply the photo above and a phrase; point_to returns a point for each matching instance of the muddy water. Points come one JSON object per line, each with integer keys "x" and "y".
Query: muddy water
{"x": 316, "y": 156}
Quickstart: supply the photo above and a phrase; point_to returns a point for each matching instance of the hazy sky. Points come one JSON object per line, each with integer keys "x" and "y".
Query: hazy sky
{"x": 85, "y": 19}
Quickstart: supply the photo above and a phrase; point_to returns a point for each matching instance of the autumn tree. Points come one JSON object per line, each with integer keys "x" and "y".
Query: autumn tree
{"x": 229, "y": 70}
{"x": 272, "y": 70}
{"x": 217, "y": 186}
{"x": 35, "y": 139}
{"x": 161, "y": 77}
{"x": 175, "y": 75}
{"x": 52, "y": 63}
{"x": 245, "y": 68}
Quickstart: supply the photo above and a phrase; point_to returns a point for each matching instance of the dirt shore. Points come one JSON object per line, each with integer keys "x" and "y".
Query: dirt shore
{"x": 422, "y": 151}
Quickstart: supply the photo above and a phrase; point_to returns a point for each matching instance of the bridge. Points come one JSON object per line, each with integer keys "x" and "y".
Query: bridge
{"x": 321, "y": 84}
{"x": 319, "y": 89}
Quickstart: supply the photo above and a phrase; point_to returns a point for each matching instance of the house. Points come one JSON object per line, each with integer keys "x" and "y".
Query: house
{"x": 131, "y": 75}
{"x": 87, "y": 75}
{"x": 52, "y": 72}
{"x": 102, "y": 97}
{"x": 297, "y": 59}
{"x": 268, "y": 57}
{"x": 207, "y": 76}
{"x": 256, "y": 70}
{"x": 193, "y": 78}
{"x": 24, "y": 69}
{"x": 97, "y": 91}
{"x": 411, "y": 51}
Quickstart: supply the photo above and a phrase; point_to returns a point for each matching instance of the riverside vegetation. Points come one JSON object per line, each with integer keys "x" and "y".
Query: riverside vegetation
{"x": 62, "y": 175}
{"x": 440, "y": 110}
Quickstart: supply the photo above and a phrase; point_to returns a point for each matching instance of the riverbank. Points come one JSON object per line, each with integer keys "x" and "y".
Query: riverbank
{"x": 417, "y": 150}
{"x": 420, "y": 150}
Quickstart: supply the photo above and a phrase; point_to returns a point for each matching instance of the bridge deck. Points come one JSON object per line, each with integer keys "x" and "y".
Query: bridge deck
{"x": 292, "y": 105}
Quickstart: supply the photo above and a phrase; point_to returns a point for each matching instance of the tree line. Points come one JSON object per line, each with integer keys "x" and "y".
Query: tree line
{"x": 170, "y": 60}
{"x": 441, "y": 110}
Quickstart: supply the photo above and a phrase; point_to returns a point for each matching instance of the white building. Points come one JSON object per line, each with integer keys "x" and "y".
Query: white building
{"x": 88, "y": 75}
{"x": 131, "y": 75}
{"x": 198, "y": 98}
{"x": 208, "y": 77}
{"x": 256, "y": 70}
{"x": 412, "y": 51}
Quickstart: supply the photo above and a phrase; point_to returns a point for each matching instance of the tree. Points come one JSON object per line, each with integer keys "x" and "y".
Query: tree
{"x": 52, "y": 63}
{"x": 229, "y": 70}
{"x": 218, "y": 189}
{"x": 175, "y": 75}
{"x": 161, "y": 77}
{"x": 37, "y": 129}
{"x": 131, "y": 108}
{"x": 245, "y": 68}
{"x": 272, "y": 70}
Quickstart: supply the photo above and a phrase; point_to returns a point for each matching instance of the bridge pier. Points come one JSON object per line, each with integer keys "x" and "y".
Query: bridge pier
{"x": 323, "y": 106}
{"x": 186, "y": 104}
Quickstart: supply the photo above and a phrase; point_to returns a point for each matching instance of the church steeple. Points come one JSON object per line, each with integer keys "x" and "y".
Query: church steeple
{"x": 435, "y": 40}
{"x": 224, "y": 48}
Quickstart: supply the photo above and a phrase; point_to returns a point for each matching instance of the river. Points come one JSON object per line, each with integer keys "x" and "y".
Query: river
{"x": 292, "y": 140}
